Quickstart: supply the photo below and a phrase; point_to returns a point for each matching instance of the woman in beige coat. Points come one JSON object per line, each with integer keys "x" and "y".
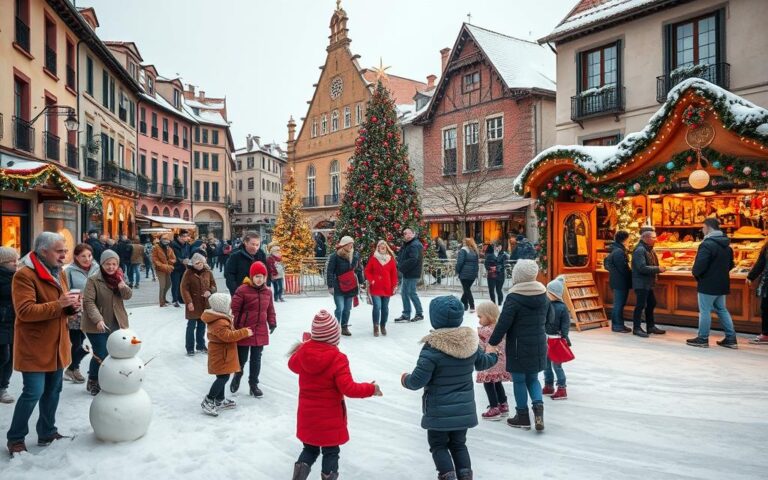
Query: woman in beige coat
{"x": 103, "y": 311}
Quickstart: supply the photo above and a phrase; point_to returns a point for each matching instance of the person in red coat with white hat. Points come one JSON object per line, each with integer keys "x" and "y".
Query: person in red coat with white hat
{"x": 252, "y": 307}
{"x": 324, "y": 381}
{"x": 381, "y": 274}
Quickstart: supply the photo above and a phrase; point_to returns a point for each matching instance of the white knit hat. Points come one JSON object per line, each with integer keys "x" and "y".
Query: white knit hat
{"x": 345, "y": 240}
{"x": 8, "y": 254}
{"x": 524, "y": 271}
{"x": 197, "y": 258}
{"x": 220, "y": 302}
{"x": 556, "y": 287}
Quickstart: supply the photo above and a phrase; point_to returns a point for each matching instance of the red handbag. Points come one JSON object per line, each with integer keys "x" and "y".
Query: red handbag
{"x": 558, "y": 350}
{"x": 347, "y": 281}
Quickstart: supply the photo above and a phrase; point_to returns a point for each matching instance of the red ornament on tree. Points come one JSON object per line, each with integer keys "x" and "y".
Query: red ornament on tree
{"x": 374, "y": 119}
{"x": 621, "y": 193}
{"x": 369, "y": 217}
{"x": 729, "y": 169}
{"x": 662, "y": 179}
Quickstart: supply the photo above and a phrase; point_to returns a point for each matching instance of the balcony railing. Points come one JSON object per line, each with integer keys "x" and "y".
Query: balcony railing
{"x": 154, "y": 132}
{"x": 72, "y": 156}
{"x": 215, "y": 198}
{"x": 22, "y": 34}
{"x": 50, "y": 60}
{"x": 309, "y": 202}
{"x": 717, "y": 73}
{"x": 51, "y": 146}
{"x": 596, "y": 102}
{"x": 23, "y": 135}
{"x": 173, "y": 192}
{"x": 143, "y": 127}
{"x": 71, "y": 77}
{"x": 165, "y": 137}
{"x": 332, "y": 199}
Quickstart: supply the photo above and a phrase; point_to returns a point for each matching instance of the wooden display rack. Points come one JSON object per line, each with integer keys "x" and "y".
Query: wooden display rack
{"x": 582, "y": 298}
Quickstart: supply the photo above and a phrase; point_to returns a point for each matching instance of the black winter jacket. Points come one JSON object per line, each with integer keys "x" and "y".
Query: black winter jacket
{"x": 558, "y": 320}
{"x": 124, "y": 249}
{"x": 410, "y": 258}
{"x": 522, "y": 320}
{"x": 499, "y": 261}
{"x": 713, "y": 264}
{"x": 183, "y": 252}
{"x": 645, "y": 267}
{"x": 97, "y": 247}
{"x": 617, "y": 265}
{"x": 338, "y": 265}
{"x": 467, "y": 264}
{"x": 7, "y": 313}
{"x": 238, "y": 267}
{"x": 759, "y": 270}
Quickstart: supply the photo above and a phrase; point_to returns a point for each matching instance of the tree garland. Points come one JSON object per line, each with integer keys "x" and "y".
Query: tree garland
{"x": 25, "y": 180}
{"x": 656, "y": 180}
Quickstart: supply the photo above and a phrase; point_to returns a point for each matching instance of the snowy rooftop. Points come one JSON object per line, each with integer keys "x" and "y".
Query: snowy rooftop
{"x": 600, "y": 160}
{"x": 208, "y": 105}
{"x": 162, "y": 102}
{"x": 205, "y": 116}
{"x": 600, "y": 12}
{"x": 522, "y": 64}
{"x": 637, "y": 409}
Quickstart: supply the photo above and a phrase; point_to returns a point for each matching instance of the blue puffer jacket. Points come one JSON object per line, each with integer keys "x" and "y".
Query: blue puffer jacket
{"x": 467, "y": 264}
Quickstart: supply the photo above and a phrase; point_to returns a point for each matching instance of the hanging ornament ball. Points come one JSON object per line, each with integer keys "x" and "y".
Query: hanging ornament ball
{"x": 354, "y": 204}
{"x": 689, "y": 159}
{"x": 389, "y": 134}
{"x": 369, "y": 217}
{"x": 374, "y": 119}
{"x": 764, "y": 174}
{"x": 698, "y": 179}
{"x": 621, "y": 193}
{"x": 670, "y": 165}
{"x": 580, "y": 191}
{"x": 747, "y": 171}
{"x": 549, "y": 185}
{"x": 661, "y": 178}
{"x": 652, "y": 173}
{"x": 717, "y": 164}
{"x": 729, "y": 169}
{"x": 636, "y": 187}
{"x": 595, "y": 190}
{"x": 385, "y": 143}
{"x": 557, "y": 178}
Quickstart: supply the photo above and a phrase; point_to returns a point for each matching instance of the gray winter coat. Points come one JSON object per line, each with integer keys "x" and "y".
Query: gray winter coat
{"x": 645, "y": 267}
{"x": 77, "y": 278}
{"x": 467, "y": 264}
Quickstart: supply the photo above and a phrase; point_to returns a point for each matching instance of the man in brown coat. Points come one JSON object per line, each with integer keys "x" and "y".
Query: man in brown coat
{"x": 137, "y": 258}
{"x": 163, "y": 259}
{"x": 42, "y": 303}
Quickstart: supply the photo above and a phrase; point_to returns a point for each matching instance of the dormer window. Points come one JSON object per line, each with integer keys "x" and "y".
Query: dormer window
{"x": 471, "y": 82}
{"x": 196, "y": 110}
{"x": 176, "y": 98}
{"x": 150, "y": 85}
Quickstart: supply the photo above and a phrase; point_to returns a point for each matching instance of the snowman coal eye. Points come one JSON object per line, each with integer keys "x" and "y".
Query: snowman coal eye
{"x": 125, "y": 338}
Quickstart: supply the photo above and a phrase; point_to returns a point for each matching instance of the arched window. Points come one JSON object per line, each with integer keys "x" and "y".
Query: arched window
{"x": 311, "y": 190}
{"x": 334, "y": 120}
{"x": 144, "y": 210}
{"x": 166, "y": 212}
{"x": 324, "y": 124}
{"x": 347, "y": 117}
{"x": 186, "y": 215}
{"x": 155, "y": 211}
{"x": 335, "y": 184}
{"x": 176, "y": 213}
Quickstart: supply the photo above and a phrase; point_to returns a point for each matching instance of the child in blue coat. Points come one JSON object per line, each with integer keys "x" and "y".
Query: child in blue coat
{"x": 444, "y": 370}
{"x": 558, "y": 324}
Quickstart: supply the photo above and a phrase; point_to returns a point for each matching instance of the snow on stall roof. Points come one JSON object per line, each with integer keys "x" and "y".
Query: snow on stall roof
{"x": 209, "y": 105}
{"x": 22, "y": 166}
{"x": 597, "y": 14}
{"x": 80, "y": 184}
{"x": 601, "y": 159}
{"x": 522, "y": 64}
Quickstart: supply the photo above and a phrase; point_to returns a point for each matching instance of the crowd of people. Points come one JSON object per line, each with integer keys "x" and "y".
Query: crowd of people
{"x": 47, "y": 306}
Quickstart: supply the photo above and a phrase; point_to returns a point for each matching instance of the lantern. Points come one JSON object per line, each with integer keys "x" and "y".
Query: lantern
{"x": 698, "y": 179}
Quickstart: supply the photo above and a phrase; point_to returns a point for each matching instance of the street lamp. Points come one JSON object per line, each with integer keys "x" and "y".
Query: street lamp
{"x": 70, "y": 123}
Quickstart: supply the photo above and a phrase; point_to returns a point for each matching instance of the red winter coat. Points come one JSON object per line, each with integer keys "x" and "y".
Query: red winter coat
{"x": 382, "y": 279}
{"x": 324, "y": 380}
{"x": 252, "y": 307}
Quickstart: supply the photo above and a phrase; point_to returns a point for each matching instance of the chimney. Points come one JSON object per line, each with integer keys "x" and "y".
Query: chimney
{"x": 191, "y": 89}
{"x": 202, "y": 95}
{"x": 249, "y": 142}
{"x": 291, "y": 130}
{"x": 431, "y": 82}
{"x": 444, "y": 54}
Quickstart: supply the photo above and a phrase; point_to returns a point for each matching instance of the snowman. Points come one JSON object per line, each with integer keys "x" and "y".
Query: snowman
{"x": 122, "y": 410}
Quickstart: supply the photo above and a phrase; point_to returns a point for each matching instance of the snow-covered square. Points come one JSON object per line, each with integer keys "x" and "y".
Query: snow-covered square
{"x": 636, "y": 409}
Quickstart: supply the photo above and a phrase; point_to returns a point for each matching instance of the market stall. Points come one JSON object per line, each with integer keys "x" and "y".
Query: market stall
{"x": 703, "y": 154}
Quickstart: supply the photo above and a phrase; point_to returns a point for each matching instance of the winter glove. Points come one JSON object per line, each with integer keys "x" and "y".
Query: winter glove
{"x": 402, "y": 379}
{"x": 272, "y": 329}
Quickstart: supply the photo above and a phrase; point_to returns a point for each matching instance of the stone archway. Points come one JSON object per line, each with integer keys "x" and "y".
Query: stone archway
{"x": 209, "y": 222}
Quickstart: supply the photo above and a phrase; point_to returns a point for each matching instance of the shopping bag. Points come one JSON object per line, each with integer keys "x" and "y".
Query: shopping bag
{"x": 558, "y": 350}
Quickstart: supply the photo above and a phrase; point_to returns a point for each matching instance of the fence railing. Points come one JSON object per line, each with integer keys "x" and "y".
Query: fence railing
{"x": 438, "y": 277}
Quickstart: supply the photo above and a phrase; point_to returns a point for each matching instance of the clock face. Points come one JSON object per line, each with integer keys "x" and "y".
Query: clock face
{"x": 337, "y": 85}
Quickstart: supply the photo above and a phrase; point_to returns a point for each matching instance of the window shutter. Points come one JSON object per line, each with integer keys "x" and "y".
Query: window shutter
{"x": 720, "y": 29}
{"x": 668, "y": 49}
{"x": 579, "y": 72}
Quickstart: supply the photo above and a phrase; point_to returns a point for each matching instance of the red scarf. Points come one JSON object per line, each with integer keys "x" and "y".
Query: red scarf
{"x": 86, "y": 270}
{"x": 42, "y": 271}
{"x": 113, "y": 280}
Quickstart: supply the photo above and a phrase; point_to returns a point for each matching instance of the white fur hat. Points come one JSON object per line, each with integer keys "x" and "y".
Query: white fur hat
{"x": 220, "y": 302}
{"x": 525, "y": 271}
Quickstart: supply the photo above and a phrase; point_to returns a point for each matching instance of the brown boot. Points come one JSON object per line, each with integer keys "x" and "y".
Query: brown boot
{"x": 300, "y": 471}
{"x": 383, "y": 330}
{"x": 375, "y": 330}
{"x": 345, "y": 331}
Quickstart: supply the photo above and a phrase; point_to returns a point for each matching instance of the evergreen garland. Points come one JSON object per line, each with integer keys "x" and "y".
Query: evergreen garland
{"x": 25, "y": 180}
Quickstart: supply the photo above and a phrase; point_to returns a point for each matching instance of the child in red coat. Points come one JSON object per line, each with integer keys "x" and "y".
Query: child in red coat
{"x": 252, "y": 307}
{"x": 324, "y": 381}
{"x": 381, "y": 274}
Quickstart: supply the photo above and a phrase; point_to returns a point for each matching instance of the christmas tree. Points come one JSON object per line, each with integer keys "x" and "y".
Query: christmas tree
{"x": 380, "y": 197}
{"x": 292, "y": 230}
{"x": 626, "y": 221}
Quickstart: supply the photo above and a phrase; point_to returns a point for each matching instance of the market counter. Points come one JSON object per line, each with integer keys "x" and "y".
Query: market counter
{"x": 677, "y": 301}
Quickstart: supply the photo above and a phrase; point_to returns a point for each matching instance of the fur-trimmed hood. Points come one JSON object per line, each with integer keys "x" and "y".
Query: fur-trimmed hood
{"x": 458, "y": 342}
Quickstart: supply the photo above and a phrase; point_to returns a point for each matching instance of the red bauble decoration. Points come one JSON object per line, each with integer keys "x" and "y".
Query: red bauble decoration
{"x": 374, "y": 119}
{"x": 689, "y": 159}
{"x": 399, "y": 192}
{"x": 389, "y": 134}
{"x": 354, "y": 204}
{"x": 369, "y": 217}
{"x": 594, "y": 190}
{"x": 385, "y": 143}
{"x": 621, "y": 193}
{"x": 549, "y": 185}
{"x": 580, "y": 191}
{"x": 397, "y": 225}
{"x": 729, "y": 169}
{"x": 764, "y": 174}
{"x": 662, "y": 179}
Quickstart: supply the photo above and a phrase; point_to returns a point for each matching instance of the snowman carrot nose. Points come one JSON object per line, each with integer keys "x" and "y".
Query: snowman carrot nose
{"x": 135, "y": 341}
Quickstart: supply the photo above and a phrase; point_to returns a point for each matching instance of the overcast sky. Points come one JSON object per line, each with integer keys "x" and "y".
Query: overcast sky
{"x": 264, "y": 55}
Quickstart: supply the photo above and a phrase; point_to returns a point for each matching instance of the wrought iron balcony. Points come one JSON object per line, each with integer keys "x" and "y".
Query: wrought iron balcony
{"x": 596, "y": 102}
{"x": 23, "y": 135}
{"x": 215, "y": 198}
{"x": 309, "y": 202}
{"x": 176, "y": 140}
{"x": 50, "y": 59}
{"x": 22, "y": 34}
{"x": 72, "y": 156}
{"x": 717, "y": 73}
{"x": 197, "y": 197}
{"x": 332, "y": 199}
{"x": 173, "y": 192}
{"x": 51, "y": 146}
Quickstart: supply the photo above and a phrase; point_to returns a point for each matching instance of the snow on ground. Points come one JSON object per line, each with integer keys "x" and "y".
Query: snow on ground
{"x": 638, "y": 409}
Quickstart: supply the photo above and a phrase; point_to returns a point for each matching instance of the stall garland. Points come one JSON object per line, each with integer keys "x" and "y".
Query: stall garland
{"x": 24, "y": 180}
{"x": 656, "y": 180}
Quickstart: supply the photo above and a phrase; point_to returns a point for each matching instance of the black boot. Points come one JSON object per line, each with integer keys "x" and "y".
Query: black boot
{"x": 255, "y": 391}
{"x": 300, "y": 471}
{"x": 329, "y": 476}
{"x": 465, "y": 474}
{"x": 538, "y": 416}
{"x": 234, "y": 386}
{"x": 520, "y": 420}
{"x": 447, "y": 476}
